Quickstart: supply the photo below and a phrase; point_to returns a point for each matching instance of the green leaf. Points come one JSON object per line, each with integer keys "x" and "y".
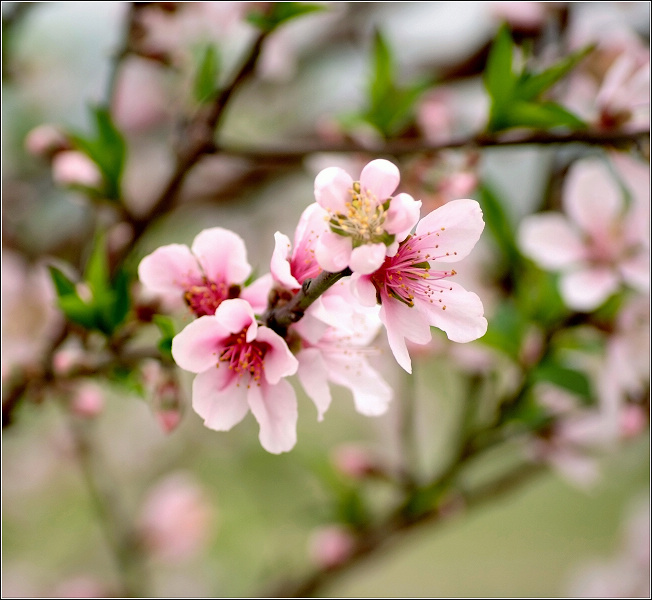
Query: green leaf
{"x": 62, "y": 285}
{"x": 281, "y": 12}
{"x": 569, "y": 379}
{"x": 96, "y": 274}
{"x": 107, "y": 149}
{"x": 499, "y": 78}
{"x": 77, "y": 311}
{"x": 167, "y": 329}
{"x": 381, "y": 83}
{"x": 499, "y": 223}
{"x": 206, "y": 77}
{"x": 541, "y": 116}
{"x": 531, "y": 86}
{"x": 505, "y": 330}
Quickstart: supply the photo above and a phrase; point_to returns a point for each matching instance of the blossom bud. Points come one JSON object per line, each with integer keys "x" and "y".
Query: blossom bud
{"x": 354, "y": 461}
{"x": 88, "y": 400}
{"x": 331, "y": 546}
{"x": 45, "y": 141}
{"x": 74, "y": 168}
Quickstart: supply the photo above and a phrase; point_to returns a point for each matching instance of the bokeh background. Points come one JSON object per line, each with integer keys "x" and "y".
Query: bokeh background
{"x": 255, "y": 514}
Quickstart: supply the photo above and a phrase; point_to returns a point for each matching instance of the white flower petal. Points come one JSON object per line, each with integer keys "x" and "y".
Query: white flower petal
{"x": 333, "y": 251}
{"x": 333, "y": 188}
{"x": 275, "y": 409}
{"x": 455, "y": 311}
{"x": 367, "y": 258}
{"x": 453, "y": 229}
{"x": 313, "y": 376}
{"x": 381, "y": 178}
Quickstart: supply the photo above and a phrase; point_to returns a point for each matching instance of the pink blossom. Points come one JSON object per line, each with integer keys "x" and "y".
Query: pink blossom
{"x": 339, "y": 355}
{"x": 354, "y": 460}
{"x": 366, "y": 222}
{"x": 599, "y": 245}
{"x": 71, "y": 167}
{"x": 212, "y": 270}
{"x": 330, "y": 546}
{"x": 240, "y": 366}
{"x": 45, "y": 140}
{"x": 291, "y": 266}
{"x": 176, "y": 518}
{"x": 413, "y": 297}
{"x": 88, "y": 400}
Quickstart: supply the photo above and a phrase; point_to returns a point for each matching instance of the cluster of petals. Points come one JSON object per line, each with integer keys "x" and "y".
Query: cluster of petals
{"x": 240, "y": 366}
{"x": 601, "y": 241}
{"x": 212, "y": 270}
{"x": 414, "y": 287}
{"x": 366, "y": 223}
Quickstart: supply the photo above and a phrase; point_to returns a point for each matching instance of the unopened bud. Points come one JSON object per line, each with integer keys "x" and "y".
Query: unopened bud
{"x": 331, "y": 546}
{"x": 45, "y": 141}
{"x": 74, "y": 168}
{"x": 88, "y": 401}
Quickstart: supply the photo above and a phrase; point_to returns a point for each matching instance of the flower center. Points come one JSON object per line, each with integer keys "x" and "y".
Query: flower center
{"x": 244, "y": 357}
{"x": 205, "y": 296}
{"x": 363, "y": 220}
{"x": 407, "y": 275}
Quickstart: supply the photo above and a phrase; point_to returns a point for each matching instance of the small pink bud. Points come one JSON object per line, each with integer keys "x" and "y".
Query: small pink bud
{"x": 168, "y": 420}
{"x": 74, "y": 168}
{"x": 632, "y": 421}
{"x": 331, "y": 546}
{"x": 46, "y": 140}
{"x": 88, "y": 401}
{"x": 354, "y": 461}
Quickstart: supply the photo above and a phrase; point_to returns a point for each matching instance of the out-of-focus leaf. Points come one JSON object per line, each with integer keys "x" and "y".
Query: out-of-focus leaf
{"x": 506, "y": 330}
{"x": 167, "y": 329}
{"x": 281, "y": 12}
{"x": 62, "y": 285}
{"x": 499, "y": 223}
{"x": 569, "y": 379}
{"x": 351, "y": 508}
{"x": 78, "y": 311}
{"x": 107, "y": 149}
{"x": 537, "y": 296}
{"x": 499, "y": 77}
{"x": 541, "y": 116}
{"x": 382, "y": 78}
{"x": 206, "y": 76}
{"x": 530, "y": 86}
{"x": 97, "y": 268}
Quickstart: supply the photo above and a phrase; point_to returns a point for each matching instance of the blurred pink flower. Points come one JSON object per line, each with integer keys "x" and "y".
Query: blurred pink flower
{"x": 176, "y": 518}
{"x": 240, "y": 366}
{"x": 354, "y": 460}
{"x": 87, "y": 400}
{"x": 164, "y": 395}
{"x": 30, "y": 319}
{"x": 330, "y": 546}
{"x": 46, "y": 140}
{"x": 212, "y": 270}
{"x": 600, "y": 244}
{"x": 71, "y": 167}
{"x": 413, "y": 298}
{"x": 366, "y": 222}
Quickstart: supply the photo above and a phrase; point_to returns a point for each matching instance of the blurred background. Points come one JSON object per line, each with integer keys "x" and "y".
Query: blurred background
{"x": 249, "y": 516}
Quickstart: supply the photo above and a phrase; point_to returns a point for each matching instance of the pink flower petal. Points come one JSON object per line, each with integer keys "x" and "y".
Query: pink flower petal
{"x": 258, "y": 292}
{"x": 587, "y": 289}
{"x": 222, "y": 254}
{"x": 333, "y": 188}
{"x": 313, "y": 376}
{"x": 169, "y": 269}
{"x": 363, "y": 289}
{"x": 333, "y": 251}
{"x": 279, "y": 361}
{"x": 197, "y": 347}
{"x": 235, "y": 315}
{"x": 457, "y": 312}
{"x": 403, "y": 322}
{"x": 636, "y": 271}
{"x": 219, "y": 398}
{"x": 381, "y": 178}
{"x": 275, "y": 409}
{"x": 402, "y": 215}
{"x": 280, "y": 263}
{"x": 367, "y": 258}
{"x": 454, "y": 229}
{"x": 591, "y": 197}
{"x": 550, "y": 241}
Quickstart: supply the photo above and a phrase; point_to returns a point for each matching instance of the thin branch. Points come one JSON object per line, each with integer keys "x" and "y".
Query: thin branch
{"x": 298, "y": 151}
